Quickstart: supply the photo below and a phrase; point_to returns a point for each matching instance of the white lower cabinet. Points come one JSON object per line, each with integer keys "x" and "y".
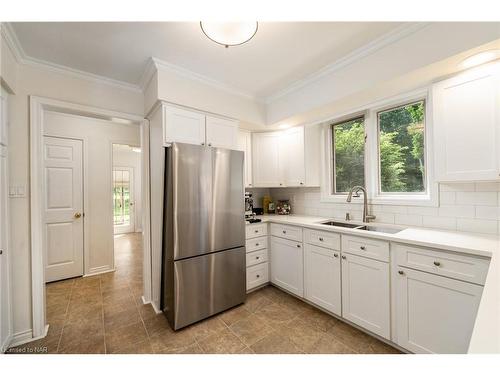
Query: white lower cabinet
{"x": 366, "y": 294}
{"x": 287, "y": 265}
{"x": 435, "y": 314}
{"x": 322, "y": 277}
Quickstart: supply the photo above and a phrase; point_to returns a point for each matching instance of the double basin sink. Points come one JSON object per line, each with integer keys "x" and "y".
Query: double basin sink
{"x": 369, "y": 228}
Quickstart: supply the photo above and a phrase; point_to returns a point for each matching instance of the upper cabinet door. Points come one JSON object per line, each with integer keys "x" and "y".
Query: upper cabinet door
{"x": 292, "y": 159}
{"x": 467, "y": 126}
{"x": 245, "y": 145}
{"x": 222, "y": 133}
{"x": 266, "y": 160}
{"x": 184, "y": 126}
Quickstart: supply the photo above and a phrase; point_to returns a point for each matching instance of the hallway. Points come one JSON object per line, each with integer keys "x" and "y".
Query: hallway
{"x": 98, "y": 314}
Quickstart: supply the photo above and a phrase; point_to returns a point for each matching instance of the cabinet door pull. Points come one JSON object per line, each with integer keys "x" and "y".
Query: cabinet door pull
{"x": 298, "y": 245}
{"x": 258, "y": 276}
{"x": 343, "y": 257}
{"x": 401, "y": 272}
{"x": 257, "y": 258}
{"x": 256, "y": 231}
{"x": 321, "y": 239}
{"x": 284, "y": 232}
{"x": 203, "y": 143}
{"x": 362, "y": 248}
{"x": 436, "y": 263}
{"x": 257, "y": 244}
{"x": 335, "y": 255}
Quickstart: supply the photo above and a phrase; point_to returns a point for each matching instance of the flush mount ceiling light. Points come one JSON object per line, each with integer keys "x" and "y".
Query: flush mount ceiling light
{"x": 481, "y": 58}
{"x": 229, "y": 33}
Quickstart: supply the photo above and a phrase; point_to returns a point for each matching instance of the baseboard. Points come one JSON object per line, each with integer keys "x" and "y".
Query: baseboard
{"x": 6, "y": 344}
{"x": 155, "y": 308}
{"x": 99, "y": 270}
{"x": 26, "y": 336}
{"x": 144, "y": 301}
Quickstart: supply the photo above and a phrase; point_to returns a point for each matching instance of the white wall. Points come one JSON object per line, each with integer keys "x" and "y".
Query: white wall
{"x": 46, "y": 83}
{"x": 128, "y": 158}
{"x": 468, "y": 207}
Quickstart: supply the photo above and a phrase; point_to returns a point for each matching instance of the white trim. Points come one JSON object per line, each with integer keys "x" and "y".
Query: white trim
{"x": 155, "y": 308}
{"x": 118, "y": 229}
{"x": 38, "y": 106}
{"x": 183, "y": 72}
{"x": 431, "y": 198}
{"x": 146, "y": 212}
{"x": 98, "y": 270}
{"x": 389, "y": 38}
{"x": 22, "y": 58}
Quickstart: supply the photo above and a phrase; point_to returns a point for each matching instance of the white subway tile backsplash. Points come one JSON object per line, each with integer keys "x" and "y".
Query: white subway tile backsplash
{"x": 447, "y": 197}
{"x": 487, "y": 186}
{"x": 477, "y": 226}
{"x": 411, "y": 220}
{"x": 471, "y": 207}
{"x": 457, "y": 211}
{"x": 449, "y": 223}
{"x": 488, "y": 212}
{"x": 457, "y": 186}
{"x": 477, "y": 198}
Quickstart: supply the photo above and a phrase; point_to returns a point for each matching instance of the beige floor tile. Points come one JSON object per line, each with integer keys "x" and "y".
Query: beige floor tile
{"x": 256, "y": 301}
{"x": 251, "y": 329}
{"x": 318, "y": 319}
{"x": 206, "y": 328}
{"x": 327, "y": 344}
{"x": 303, "y": 335}
{"x": 224, "y": 342}
{"x": 168, "y": 341}
{"x": 142, "y": 347}
{"x": 124, "y": 336}
{"x": 234, "y": 315}
{"x": 275, "y": 343}
{"x": 156, "y": 324}
{"x": 274, "y": 314}
{"x": 91, "y": 345}
{"x": 86, "y": 329}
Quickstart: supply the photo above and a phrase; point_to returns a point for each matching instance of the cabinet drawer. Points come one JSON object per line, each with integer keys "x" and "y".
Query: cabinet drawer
{"x": 256, "y": 230}
{"x": 365, "y": 247}
{"x": 256, "y": 257}
{"x": 287, "y": 231}
{"x": 456, "y": 266}
{"x": 323, "y": 239}
{"x": 257, "y": 275}
{"x": 257, "y": 243}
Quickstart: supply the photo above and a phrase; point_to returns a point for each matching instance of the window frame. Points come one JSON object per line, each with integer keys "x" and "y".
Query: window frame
{"x": 333, "y": 174}
{"x": 372, "y": 160}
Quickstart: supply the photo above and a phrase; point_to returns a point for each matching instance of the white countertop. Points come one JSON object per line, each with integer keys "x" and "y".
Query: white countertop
{"x": 486, "y": 333}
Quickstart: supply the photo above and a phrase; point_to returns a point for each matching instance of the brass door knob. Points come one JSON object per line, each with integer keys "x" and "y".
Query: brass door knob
{"x": 78, "y": 215}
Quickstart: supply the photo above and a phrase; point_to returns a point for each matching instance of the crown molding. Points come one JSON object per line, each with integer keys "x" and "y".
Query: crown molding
{"x": 366, "y": 50}
{"x": 22, "y": 58}
{"x": 161, "y": 64}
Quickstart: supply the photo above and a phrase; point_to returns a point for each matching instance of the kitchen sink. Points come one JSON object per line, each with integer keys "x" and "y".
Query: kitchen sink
{"x": 368, "y": 228}
{"x": 340, "y": 224}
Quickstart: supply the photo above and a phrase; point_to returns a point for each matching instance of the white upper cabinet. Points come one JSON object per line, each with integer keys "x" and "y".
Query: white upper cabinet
{"x": 221, "y": 132}
{"x": 181, "y": 125}
{"x": 189, "y": 126}
{"x": 292, "y": 157}
{"x": 287, "y": 158}
{"x": 266, "y": 160}
{"x": 245, "y": 145}
{"x": 466, "y": 125}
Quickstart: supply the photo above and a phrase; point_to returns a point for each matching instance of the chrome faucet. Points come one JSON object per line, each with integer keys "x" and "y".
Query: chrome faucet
{"x": 355, "y": 190}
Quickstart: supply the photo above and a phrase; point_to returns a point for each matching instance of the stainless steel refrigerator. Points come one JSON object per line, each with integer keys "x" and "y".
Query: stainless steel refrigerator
{"x": 204, "y": 269}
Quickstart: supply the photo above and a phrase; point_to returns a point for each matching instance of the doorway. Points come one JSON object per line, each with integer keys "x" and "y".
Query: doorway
{"x": 123, "y": 200}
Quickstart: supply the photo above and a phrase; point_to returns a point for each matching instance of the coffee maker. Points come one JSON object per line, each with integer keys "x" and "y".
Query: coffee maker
{"x": 249, "y": 214}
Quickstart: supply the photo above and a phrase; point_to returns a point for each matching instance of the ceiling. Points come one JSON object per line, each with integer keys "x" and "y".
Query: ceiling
{"x": 280, "y": 54}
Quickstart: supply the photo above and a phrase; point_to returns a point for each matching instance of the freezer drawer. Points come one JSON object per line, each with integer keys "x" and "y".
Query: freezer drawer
{"x": 206, "y": 285}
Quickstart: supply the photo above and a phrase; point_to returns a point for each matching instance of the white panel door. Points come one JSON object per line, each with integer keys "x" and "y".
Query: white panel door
{"x": 287, "y": 265}
{"x": 435, "y": 314}
{"x": 222, "y": 132}
{"x": 266, "y": 160}
{"x": 292, "y": 156}
{"x": 245, "y": 145}
{"x": 181, "y": 125}
{"x": 63, "y": 208}
{"x": 467, "y": 126}
{"x": 365, "y": 293}
{"x": 322, "y": 277}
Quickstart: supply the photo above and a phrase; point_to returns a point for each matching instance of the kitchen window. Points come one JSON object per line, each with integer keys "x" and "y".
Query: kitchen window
{"x": 401, "y": 149}
{"x": 348, "y": 147}
{"x": 384, "y": 147}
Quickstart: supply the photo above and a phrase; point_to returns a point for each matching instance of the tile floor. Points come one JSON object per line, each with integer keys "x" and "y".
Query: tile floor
{"x": 105, "y": 314}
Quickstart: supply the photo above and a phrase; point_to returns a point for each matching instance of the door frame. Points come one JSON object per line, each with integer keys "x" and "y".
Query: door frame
{"x": 131, "y": 171}
{"x": 38, "y": 107}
